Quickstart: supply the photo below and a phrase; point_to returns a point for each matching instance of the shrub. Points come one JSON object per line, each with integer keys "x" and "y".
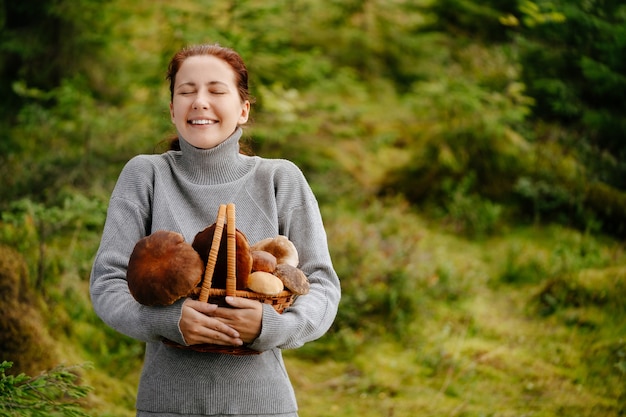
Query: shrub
{"x": 588, "y": 288}
{"x": 52, "y": 393}
{"x": 467, "y": 212}
{"x": 388, "y": 278}
{"x": 375, "y": 258}
{"x": 23, "y": 336}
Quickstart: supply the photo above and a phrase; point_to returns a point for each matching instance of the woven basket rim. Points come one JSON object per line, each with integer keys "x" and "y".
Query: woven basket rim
{"x": 221, "y": 292}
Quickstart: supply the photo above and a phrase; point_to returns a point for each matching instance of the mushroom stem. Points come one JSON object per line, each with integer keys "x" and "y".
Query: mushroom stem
{"x": 231, "y": 236}
{"x": 212, "y": 260}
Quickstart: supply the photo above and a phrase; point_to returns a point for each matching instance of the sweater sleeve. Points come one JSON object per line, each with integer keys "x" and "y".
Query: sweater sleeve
{"x": 311, "y": 315}
{"x": 128, "y": 220}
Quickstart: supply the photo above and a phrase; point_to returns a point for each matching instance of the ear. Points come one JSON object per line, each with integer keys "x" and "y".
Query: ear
{"x": 172, "y": 111}
{"x": 245, "y": 112}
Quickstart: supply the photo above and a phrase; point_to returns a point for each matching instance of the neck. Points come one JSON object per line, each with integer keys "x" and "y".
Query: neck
{"x": 222, "y": 163}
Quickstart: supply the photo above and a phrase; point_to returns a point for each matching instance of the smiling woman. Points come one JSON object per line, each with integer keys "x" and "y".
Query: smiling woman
{"x": 180, "y": 191}
{"x": 206, "y": 107}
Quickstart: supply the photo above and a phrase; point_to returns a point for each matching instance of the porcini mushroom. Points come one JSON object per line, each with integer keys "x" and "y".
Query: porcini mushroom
{"x": 263, "y": 261}
{"x": 293, "y": 278}
{"x": 265, "y": 283}
{"x": 163, "y": 268}
{"x": 281, "y": 247}
{"x": 202, "y": 244}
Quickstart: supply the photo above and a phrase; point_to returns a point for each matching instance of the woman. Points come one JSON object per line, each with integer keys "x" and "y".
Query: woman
{"x": 181, "y": 191}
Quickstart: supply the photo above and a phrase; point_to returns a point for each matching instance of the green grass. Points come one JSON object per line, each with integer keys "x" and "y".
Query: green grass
{"x": 530, "y": 323}
{"x": 508, "y": 367}
{"x": 495, "y": 350}
{"x": 526, "y": 323}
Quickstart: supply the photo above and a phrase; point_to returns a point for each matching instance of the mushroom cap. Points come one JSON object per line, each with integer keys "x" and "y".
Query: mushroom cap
{"x": 281, "y": 247}
{"x": 265, "y": 283}
{"x": 293, "y": 278}
{"x": 202, "y": 244}
{"x": 163, "y": 268}
{"x": 263, "y": 261}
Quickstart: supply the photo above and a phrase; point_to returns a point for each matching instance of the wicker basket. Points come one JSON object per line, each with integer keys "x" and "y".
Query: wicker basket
{"x": 217, "y": 296}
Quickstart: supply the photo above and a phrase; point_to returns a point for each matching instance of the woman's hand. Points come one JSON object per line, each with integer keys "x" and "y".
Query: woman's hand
{"x": 199, "y": 323}
{"x": 245, "y": 317}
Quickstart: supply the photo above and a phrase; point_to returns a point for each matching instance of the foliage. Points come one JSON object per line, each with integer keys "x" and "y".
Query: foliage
{"x": 44, "y": 43}
{"x": 531, "y": 264}
{"x": 494, "y": 335}
{"x": 468, "y": 212}
{"x": 52, "y": 393}
{"x": 24, "y": 339}
{"x": 371, "y": 258}
{"x": 465, "y": 139}
{"x": 481, "y": 19}
{"x": 574, "y": 68}
{"x": 30, "y": 226}
{"x": 570, "y": 61}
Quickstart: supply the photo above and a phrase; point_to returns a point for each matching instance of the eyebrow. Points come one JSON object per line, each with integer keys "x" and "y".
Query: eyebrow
{"x": 192, "y": 84}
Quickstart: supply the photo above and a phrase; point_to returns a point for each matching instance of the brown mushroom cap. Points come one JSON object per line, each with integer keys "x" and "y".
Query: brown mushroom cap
{"x": 281, "y": 247}
{"x": 293, "y": 278}
{"x": 202, "y": 244}
{"x": 263, "y": 261}
{"x": 163, "y": 268}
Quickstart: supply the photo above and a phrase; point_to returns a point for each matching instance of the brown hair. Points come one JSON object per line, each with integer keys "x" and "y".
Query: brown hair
{"x": 228, "y": 55}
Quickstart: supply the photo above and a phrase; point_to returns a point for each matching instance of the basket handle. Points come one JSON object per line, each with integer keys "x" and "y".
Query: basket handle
{"x": 231, "y": 236}
{"x": 215, "y": 246}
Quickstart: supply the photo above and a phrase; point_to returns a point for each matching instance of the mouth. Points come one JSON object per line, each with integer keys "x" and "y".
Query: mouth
{"x": 202, "y": 122}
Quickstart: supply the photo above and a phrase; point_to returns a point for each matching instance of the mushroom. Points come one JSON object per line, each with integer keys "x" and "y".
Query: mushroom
{"x": 263, "y": 261}
{"x": 281, "y": 247}
{"x": 265, "y": 283}
{"x": 163, "y": 268}
{"x": 202, "y": 244}
{"x": 293, "y": 279}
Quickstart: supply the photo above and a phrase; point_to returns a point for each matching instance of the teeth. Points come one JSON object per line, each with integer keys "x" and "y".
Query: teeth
{"x": 202, "y": 122}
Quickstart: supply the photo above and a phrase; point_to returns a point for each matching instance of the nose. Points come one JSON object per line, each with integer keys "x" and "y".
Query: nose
{"x": 201, "y": 101}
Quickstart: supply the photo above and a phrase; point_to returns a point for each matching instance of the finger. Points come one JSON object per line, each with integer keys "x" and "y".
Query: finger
{"x": 213, "y": 331}
{"x": 200, "y": 306}
{"x": 220, "y": 334}
{"x": 241, "y": 302}
{"x": 198, "y": 326}
{"x": 244, "y": 315}
{"x": 241, "y": 310}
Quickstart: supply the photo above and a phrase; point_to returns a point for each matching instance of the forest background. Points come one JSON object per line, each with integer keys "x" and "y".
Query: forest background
{"x": 470, "y": 162}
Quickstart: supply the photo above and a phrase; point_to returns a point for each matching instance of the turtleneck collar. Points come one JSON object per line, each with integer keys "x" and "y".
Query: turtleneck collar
{"x": 221, "y": 164}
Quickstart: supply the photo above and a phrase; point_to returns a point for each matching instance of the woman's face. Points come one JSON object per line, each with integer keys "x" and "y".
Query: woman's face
{"x": 206, "y": 107}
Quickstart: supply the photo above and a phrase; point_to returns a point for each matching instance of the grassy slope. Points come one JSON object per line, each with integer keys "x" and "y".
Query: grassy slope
{"x": 529, "y": 323}
{"x": 488, "y": 354}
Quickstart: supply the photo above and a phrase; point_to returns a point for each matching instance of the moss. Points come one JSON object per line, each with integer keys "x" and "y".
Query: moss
{"x": 13, "y": 276}
{"x": 23, "y": 336}
{"x": 604, "y": 288}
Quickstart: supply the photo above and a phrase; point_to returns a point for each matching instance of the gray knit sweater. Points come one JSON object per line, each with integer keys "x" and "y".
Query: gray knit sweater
{"x": 181, "y": 191}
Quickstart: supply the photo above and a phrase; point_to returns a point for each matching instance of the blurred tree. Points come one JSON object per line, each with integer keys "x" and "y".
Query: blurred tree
{"x": 479, "y": 20}
{"x": 44, "y": 41}
{"x": 50, "y": 54}
{"x": 574, "y": 68}
{"x": 573, "y": 57}
{"x": 565, "y": 64}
